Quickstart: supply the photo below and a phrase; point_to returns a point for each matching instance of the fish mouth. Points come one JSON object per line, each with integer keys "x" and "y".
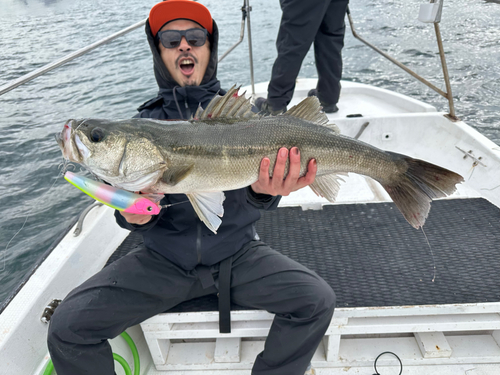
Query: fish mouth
{"x": 70, "y": 143}
{"x": 60, "y": 142}
{"x": 64, "y": 139}
{"x": 84, "y": 152}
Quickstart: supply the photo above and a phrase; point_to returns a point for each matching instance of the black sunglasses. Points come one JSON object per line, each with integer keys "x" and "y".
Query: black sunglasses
{"x": 172, "y": 38}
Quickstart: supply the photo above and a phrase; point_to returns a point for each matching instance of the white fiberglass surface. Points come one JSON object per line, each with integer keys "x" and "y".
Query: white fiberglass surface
{"x": 355, "y": 99}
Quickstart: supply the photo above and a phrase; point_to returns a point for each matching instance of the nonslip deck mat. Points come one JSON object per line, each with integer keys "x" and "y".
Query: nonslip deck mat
{"x": 371, "y": 256}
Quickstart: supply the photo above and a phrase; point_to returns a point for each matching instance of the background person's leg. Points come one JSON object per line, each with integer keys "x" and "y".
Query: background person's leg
{"x": 328, "y": 45}
{"x": 300, "y": 22}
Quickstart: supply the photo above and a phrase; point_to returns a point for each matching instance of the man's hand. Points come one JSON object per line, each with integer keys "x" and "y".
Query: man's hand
{"x": 277, "y": 185}
{"x": 136, "y": 218}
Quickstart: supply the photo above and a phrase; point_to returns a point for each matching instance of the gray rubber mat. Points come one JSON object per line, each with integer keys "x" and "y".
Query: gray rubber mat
{"x": 371, "y": 256}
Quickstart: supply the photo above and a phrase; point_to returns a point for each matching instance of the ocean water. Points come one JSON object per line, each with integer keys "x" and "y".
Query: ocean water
{"x": 113, "y": 80}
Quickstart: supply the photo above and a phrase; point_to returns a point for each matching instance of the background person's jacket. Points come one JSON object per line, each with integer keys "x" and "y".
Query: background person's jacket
{"x": 177, "y": 233}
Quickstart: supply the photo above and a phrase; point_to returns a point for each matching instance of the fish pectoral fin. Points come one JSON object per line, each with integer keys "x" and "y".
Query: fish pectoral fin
{"x": 208, "y": 207}
{"x": 328, "y": 186}
{"x": 172, "y": 176}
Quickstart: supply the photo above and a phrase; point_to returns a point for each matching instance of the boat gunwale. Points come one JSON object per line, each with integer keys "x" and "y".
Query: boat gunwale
{"x": 62, "y": 234}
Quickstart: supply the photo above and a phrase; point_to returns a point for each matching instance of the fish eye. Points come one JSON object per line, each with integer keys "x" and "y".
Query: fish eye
{"x": 96, "y": 135}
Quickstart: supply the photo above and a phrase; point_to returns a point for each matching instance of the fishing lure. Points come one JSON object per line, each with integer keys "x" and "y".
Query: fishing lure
{"x": 121, "y": 200}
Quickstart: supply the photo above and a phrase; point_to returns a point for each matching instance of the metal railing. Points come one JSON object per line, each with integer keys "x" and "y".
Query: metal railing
{"x": 47, "y": 68}
{"x": 245, "y": 10}
{"x": 245, "y": 16}
{"x": 448, "y": 95}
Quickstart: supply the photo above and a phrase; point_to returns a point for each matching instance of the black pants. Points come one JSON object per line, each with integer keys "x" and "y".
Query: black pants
{"x": 302, "y": 23}
{"x": 144, "y": 283}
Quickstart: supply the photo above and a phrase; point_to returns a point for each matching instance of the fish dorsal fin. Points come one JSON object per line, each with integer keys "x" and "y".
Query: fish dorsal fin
{"x": 308, "y": 109}
{"x": 333, "y": 127}
{"x": 229, "y": 106}
{"x": 198, "y": 113}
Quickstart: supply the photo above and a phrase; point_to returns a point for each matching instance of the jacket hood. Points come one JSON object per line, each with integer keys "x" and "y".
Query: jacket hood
{"x": 163, "y": 77}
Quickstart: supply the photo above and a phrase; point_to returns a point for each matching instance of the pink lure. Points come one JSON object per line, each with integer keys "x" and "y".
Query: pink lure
{"x": 115, "y": 198}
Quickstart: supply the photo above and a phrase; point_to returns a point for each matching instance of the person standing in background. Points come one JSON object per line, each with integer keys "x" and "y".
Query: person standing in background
{"x": 302, "y": 23}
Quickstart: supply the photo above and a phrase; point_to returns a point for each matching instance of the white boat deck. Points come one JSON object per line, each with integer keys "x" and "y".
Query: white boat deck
{"x": 441, "y": 339}
{"x": 356, "y": 98}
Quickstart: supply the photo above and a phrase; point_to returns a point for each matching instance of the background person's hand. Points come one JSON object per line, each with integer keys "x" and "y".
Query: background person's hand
{"x": 277, "y": 185}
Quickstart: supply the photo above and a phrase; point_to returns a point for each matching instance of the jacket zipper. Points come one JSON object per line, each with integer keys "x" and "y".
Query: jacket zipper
{"x": 198, "y": 241}
{"x": 188, "y": 111}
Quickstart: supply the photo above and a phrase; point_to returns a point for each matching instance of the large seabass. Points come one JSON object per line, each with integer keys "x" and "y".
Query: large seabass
{"x": 222, "y": 147}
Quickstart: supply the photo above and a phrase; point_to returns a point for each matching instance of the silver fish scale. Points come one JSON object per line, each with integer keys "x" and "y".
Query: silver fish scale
{"x": 226, "y": 154}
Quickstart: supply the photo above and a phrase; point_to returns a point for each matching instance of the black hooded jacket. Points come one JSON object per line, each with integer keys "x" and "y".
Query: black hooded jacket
{"x": 177, "y": 233}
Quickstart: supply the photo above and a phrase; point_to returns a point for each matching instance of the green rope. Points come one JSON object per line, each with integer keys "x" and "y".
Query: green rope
{"x": 50, "y": 366}
{"x": 122, "y": 362}
{"x": 135, "y": 353}
{"x": 49, "y": 369}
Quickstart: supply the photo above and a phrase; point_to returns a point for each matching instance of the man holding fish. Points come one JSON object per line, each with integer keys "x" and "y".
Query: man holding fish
{"x": 182, "y": 258}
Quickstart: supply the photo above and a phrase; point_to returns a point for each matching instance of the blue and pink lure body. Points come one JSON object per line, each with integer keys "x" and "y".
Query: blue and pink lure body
{"x": 115, "y": 198}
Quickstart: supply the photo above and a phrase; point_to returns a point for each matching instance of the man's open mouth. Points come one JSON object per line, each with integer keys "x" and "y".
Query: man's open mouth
{"x": 186, "y": 65}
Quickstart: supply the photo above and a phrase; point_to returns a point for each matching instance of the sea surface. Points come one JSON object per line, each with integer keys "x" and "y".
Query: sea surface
{"x": 36, "y": 203}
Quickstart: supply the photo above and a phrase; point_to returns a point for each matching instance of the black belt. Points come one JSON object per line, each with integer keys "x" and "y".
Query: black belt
{"x": 224, "y": 294}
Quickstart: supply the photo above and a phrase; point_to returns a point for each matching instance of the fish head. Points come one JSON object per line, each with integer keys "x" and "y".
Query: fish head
{"x": 114, "y": 151}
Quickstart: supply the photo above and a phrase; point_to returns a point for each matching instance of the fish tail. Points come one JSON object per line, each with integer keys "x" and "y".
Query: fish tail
{"x": 413, "y": 190}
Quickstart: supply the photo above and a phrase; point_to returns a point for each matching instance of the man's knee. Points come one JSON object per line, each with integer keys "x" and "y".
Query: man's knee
{"x": 326, "y": 297}
{"x": 73, "y": 322}
{"x": 61, "y": 324}
{"x": 318, "y": 300}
